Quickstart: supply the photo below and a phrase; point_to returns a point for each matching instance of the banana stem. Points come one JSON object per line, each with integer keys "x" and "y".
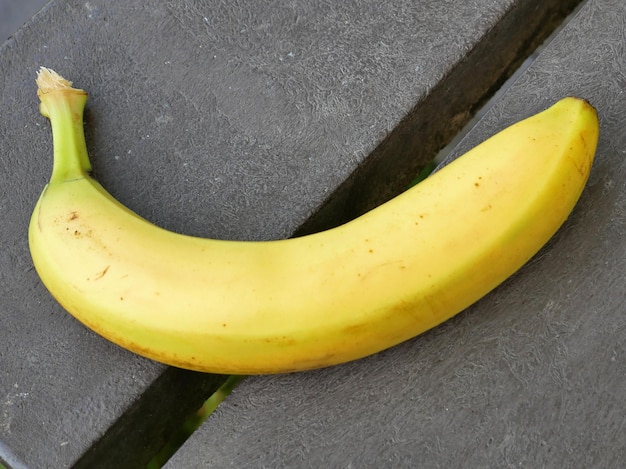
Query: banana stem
{"x": 64, "y": 106}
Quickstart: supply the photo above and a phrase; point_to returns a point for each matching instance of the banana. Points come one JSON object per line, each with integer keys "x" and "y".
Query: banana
{"x": 241, "y": 307}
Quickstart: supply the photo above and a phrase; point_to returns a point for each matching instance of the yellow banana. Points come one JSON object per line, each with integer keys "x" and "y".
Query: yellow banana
{"x": 245, "y": 307}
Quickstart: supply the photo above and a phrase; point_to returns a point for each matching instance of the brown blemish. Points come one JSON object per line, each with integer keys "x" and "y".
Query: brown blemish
{"x": 72, "y": 216}
{"x": 280, "y": 340}
{"x": 102, "y": 274}
{"x": 80, "y": 234}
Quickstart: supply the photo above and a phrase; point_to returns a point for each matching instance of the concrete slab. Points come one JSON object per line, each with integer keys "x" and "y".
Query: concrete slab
{"x": 239, "y": 120}
{"x": 14, "y": 14}
{"x": 534, "y": 375}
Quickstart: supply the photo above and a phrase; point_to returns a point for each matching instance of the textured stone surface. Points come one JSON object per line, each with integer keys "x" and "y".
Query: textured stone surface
{"x": 14, "y": 14}
{"x": 229, "y": 119}
{"x": 534, "y": 375}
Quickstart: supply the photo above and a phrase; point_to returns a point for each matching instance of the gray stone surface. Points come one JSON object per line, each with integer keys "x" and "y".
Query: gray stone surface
{"x": 533, "y": 375}
{"x": 228, "y": 119}
{"x": 13, "y": 14}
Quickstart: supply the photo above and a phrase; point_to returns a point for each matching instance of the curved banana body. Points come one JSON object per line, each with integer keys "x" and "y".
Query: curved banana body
{"x": 318, "y": 300}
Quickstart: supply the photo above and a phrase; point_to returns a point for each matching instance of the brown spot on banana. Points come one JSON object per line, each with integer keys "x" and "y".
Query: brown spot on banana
{"x": 102, "y": 273}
